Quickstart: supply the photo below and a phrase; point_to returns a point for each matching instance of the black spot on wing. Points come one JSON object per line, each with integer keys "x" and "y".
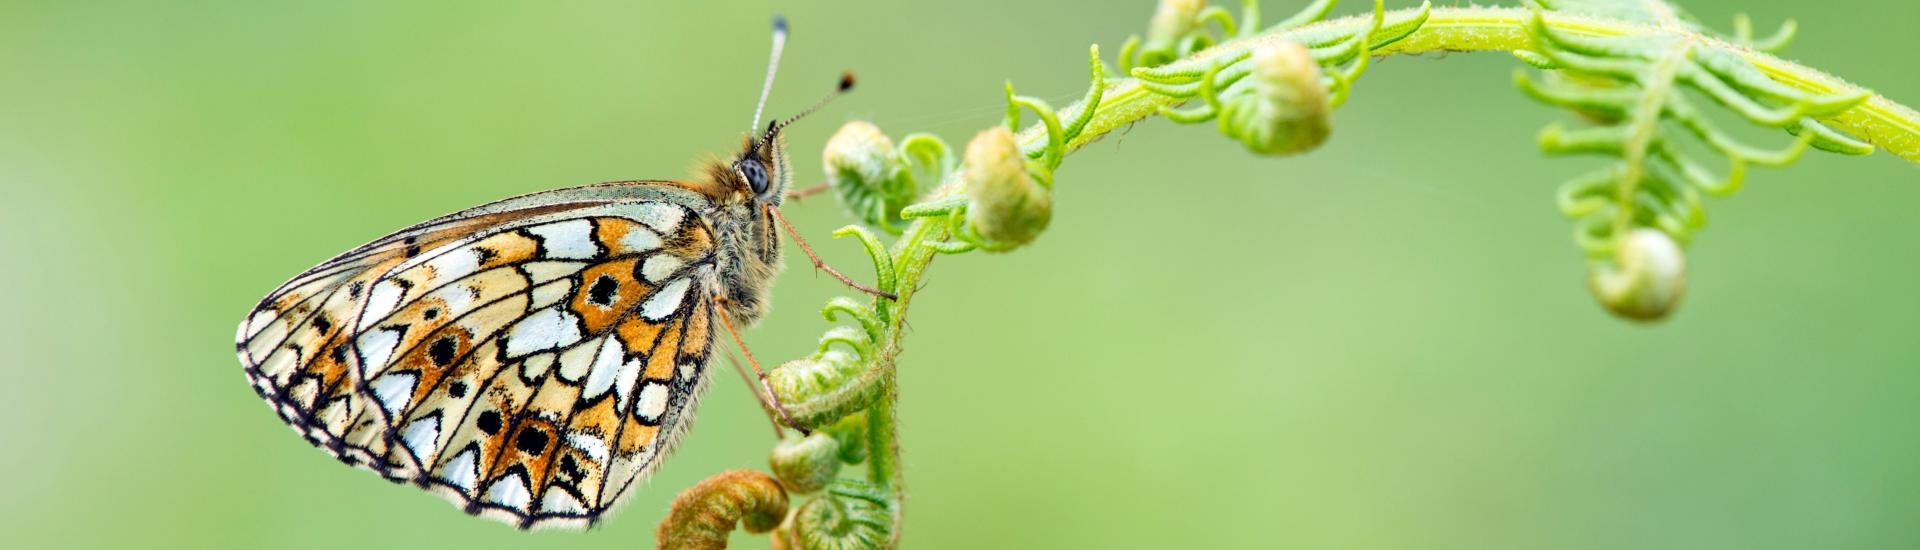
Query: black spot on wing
{"x": 489, "y": 422}
{"x": 443, "y": 350}
{"x": 531, "y": 441}
{"x": 570, "y": 469}
{"x": 602, "y": 291}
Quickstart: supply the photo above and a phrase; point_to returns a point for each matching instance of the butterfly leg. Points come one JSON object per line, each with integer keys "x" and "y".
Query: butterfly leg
{"x": 779, "y": 431}
{"x": 764, "y": 392}
{"x": 808, "y": 191}
{"x": 821, "y": 265}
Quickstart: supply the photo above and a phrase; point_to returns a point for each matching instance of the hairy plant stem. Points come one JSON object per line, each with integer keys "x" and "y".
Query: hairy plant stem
{"x": 1878, "y": 121}
{"x": 911, "y": 256}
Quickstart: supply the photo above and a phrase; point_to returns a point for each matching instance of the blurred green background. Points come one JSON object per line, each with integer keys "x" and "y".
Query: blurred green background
{"x": 1383, "y": 344}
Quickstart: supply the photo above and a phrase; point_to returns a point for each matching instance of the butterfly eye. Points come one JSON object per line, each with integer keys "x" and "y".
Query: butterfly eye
{"x": 755, "y": 174}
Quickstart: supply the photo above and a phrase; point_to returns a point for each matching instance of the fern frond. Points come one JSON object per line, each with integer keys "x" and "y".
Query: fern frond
{"x": 1634, "y": 90}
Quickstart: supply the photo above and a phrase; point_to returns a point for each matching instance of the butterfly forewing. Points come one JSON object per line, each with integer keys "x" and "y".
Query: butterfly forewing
{"x": 528, "y": 359}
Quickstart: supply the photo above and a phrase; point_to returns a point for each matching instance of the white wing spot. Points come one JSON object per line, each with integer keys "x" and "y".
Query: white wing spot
{"x": 334, "y": 417}
{"x": 304, "y": 392}
{"x": 455, "y": 264}
{"x": 652, "y": 402}
{"x": 559, "y": 501}
{"x": 510, "y": 491}
{"x": 568, "y": 240}
{"x": 376, "y": 348}
{"x": 461, "y": 471}
{"x": 422, "y": 436}
{"x": 394, "y": 391}
{"x": 540, "y": 272}
{"x": 640, "y": 240}
{"x": 536, "y": 365}
{"x": 595, "y": 447}
{"x": 551, "y": 293}
{"x": 623, "y": 382}
{"x": 660, "y": 216}
{"x": 457, "y": 297}
{"x": 605, "y": 365}
{"x": 665, "y": 301}
{"x": 659, "y": 266}
{"x": 381, "y": 301}
{"x": 577, "y": 360}
{"x": 543, "y": 330}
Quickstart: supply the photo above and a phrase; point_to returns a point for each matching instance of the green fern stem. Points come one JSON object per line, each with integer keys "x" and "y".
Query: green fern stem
{"x": 864, "y": 376}
{"x": 1878, "y": 120}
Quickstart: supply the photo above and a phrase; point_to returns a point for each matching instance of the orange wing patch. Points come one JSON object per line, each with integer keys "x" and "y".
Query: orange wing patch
{"x": 608, "y": 290}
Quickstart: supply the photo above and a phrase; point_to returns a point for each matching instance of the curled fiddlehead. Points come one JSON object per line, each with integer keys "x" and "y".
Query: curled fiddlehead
{"x": 704, "y": 514}
{"x": 844, "y": 390}
{"x": 1010, "y": 202}
{"x": 838, "y": 379}
{"x": 1275, "y": 97}
{"x": 1645, "y": 205}
{"x": 852, "y": 515}
{"x": 806, "y": 463}
{"x": 875, "y": 179}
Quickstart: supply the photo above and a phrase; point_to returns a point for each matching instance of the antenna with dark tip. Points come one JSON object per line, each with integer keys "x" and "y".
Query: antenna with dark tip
{"x": 846, "y": 83}
{"x": 773, "y": 66}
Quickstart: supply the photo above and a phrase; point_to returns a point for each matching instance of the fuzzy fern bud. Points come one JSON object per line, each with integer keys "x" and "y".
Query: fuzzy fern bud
{"x": 704, "y": 514}
{"x": 853, "y": 514}
{"x": 1284, "y": 108}
{"x": 822, "y": 388}
{"x": 1645, "y": 280}
{"x": 806, "y": 464}
{"x": 1006, "y": 207}
{"x": 1172, "y": 21}
{"x": 869, "y": 174}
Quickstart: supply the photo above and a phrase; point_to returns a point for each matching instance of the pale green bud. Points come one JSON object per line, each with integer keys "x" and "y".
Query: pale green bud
{"x": 1282, "y": 107}
{"x": 1006, "y": 206}
{"x": 1645, "y": 280}
{"x": 869, "y": 175}
{"x": 1173, "y": 20}
{"x": 806, "y": 464}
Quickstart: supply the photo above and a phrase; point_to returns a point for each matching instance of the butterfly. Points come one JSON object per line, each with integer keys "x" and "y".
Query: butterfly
{"x": 531, "y": 358}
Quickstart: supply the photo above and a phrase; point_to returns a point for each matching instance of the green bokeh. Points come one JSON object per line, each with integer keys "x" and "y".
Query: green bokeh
{"x": 1382, "y": 344}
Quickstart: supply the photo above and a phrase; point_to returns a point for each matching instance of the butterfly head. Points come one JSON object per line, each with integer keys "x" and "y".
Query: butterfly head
{"x": 761, "y": 171}
{"x": 748, "y": 189}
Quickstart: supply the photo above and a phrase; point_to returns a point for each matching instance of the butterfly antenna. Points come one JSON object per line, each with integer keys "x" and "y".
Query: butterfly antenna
{"x": 773, "y": 66}
{"x": 846, "y": 83}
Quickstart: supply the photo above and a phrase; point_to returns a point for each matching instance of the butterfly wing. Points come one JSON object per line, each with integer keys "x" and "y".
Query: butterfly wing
{"x": 527, "y": 359}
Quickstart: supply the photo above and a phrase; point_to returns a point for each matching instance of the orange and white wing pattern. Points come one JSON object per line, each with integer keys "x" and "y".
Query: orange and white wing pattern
{"x": 527, "y": 359}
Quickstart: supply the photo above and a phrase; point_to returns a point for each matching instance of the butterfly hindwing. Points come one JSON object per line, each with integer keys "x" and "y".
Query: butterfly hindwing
{"x": 526, "y": 360}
